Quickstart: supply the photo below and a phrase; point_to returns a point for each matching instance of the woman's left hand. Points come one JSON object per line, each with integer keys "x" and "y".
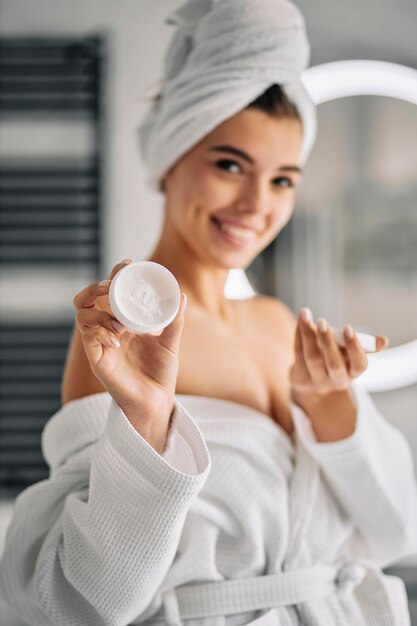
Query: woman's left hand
{"x": 321, "y": 374}
{"x": 321, "y": 366}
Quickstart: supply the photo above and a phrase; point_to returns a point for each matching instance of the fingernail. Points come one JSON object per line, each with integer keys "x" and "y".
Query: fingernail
{"x": 185, "y": 300}
{"x": 306, "y": 314}
{"x": 114, "y": 341}
{"x": 348, "y": 330}
{"x": 118, "y": 326}
{"x": 126, "y": 260}
{"x": 104, "y": 283}
{"x": 322, "y": 325}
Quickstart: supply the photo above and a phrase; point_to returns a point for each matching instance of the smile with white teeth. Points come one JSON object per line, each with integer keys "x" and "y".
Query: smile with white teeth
{"x": 244, "y": 234}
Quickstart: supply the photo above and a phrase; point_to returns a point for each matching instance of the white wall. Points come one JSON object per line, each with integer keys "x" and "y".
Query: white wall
{"x": 137, "y": 41}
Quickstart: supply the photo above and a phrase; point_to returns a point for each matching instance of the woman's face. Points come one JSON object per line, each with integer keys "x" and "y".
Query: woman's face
{"x": 232, "y": 193}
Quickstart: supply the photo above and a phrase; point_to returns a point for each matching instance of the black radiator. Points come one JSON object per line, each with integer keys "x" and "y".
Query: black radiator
{"x": 50, "y": 210}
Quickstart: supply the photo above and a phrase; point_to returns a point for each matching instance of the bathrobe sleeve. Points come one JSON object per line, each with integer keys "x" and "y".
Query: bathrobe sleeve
{"x": 371, "y": 473}
{"x": 91, "y": 544}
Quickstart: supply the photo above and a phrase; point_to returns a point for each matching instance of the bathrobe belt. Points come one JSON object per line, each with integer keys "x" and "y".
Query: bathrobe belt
{"x": 226, "y": 597}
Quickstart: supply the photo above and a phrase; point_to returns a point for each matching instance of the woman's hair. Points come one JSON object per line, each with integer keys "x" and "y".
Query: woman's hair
{"x": 274, "y": 102}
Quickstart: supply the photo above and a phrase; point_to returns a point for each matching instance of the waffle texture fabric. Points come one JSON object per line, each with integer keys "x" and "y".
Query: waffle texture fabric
{"x": 117, "y": 528}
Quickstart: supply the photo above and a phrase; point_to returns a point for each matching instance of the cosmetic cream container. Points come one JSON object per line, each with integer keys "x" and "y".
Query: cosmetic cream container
{"x": 144, "y": 296}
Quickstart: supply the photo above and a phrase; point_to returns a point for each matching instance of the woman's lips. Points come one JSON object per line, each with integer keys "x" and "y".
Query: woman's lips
{"x": 234, "y": 234}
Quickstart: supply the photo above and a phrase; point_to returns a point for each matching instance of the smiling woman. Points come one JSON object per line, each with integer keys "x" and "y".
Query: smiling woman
{"x": 229, "y": 468}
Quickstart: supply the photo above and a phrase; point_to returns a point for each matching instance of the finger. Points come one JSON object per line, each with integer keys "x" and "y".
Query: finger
{"x": 382, "y": 342}
{"x": 118, "y": 267}
{"x": 96, "y": 340}
{"x": 357, "y": 355}
{"x": 171, "y": 335}
{"x": 93, "y": 318}
{"x": 87, "y": 297}
{"x": 334, "y": 359}
{"x": 312, "y": 354}
{"x": 300, "y": 374}
{"x": 298, "y": 345}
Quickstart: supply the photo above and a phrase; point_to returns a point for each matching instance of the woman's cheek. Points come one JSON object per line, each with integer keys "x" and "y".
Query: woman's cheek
{"x": 214, "y": 193}
{"x": 283, "y": 216}
{"x": 286, "y": 218}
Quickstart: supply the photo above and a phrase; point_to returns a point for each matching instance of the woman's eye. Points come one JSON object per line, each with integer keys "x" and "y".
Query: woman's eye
{"x": 226, "y": 164}
{"x": 283, "y": 181}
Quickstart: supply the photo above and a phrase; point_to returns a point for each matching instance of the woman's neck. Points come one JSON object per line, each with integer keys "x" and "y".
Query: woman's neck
{"x": 202, "y": 283}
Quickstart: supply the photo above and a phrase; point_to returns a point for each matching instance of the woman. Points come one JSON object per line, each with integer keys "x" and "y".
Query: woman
{"x": 228, "y": 470}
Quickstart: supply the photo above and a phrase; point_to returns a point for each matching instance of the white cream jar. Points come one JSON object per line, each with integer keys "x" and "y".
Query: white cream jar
{"x": 144, "y": 296}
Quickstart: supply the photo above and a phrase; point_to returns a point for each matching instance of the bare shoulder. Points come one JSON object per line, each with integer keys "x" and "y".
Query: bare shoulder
{"x": 274, "y": 314}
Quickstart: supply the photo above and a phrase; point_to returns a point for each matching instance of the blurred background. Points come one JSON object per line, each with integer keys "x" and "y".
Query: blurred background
{"x": 75, "y": 81}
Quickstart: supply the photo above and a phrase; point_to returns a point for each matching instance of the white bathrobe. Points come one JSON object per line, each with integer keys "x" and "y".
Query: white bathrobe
{"x": 235, "y": 523}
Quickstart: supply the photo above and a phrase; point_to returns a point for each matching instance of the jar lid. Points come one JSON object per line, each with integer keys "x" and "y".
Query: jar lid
{"x": 144, "y": 296}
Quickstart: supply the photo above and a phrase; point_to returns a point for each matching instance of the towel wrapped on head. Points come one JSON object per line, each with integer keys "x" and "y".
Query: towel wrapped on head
{"x": 224, "y": 54}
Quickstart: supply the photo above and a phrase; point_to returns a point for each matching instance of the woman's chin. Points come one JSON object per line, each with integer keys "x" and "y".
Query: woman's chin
{"x": 234, "y": 261}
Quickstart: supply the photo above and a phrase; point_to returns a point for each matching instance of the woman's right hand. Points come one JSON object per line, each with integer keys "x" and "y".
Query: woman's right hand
{"x": 138, "y": 371}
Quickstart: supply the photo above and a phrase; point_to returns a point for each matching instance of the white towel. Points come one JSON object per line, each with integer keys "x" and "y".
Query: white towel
{"x": 224, "y": 54}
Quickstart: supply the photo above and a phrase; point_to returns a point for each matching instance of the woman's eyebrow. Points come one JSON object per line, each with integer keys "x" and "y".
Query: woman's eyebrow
{"x": 246, "y": 157}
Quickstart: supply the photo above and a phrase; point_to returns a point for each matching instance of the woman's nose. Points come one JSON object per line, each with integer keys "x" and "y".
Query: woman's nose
{"x": 254, "y": 198}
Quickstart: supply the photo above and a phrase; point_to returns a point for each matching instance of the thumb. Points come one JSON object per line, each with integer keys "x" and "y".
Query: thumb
{"x": 171, "y": 335}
